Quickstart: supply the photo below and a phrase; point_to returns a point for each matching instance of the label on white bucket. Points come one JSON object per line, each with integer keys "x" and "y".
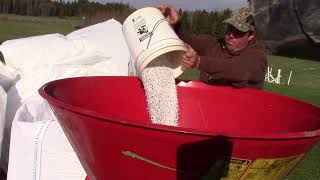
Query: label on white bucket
{"x": 141, "y": 28}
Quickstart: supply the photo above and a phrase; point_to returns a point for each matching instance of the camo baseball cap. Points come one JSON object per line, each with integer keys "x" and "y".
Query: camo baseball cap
{"x": 241, "y": 19}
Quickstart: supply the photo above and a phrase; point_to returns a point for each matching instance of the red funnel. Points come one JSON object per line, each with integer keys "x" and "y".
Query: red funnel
{"x": 224, "y": 132}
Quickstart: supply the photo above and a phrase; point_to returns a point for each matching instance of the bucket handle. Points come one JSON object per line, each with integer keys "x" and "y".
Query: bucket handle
{"x": 154, "y": 29}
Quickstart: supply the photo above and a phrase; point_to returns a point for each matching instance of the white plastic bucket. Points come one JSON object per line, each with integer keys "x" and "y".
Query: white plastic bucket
{"x": 148, "y": 36}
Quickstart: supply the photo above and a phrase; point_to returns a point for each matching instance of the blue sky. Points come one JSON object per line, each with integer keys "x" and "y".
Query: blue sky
{"x": 185, "y": 4}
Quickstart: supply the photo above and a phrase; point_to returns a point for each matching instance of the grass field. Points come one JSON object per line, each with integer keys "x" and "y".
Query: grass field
{"x": 16, "y": 26}
{"x": 304, "y": 85}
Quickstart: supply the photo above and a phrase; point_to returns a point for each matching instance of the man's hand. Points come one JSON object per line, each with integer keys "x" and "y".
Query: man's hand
{"x": 191, "y": 58}
{"x": 171, "y": 14}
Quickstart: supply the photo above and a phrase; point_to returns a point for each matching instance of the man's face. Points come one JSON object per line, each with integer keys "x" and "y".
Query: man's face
{"x": 236, "y": 40}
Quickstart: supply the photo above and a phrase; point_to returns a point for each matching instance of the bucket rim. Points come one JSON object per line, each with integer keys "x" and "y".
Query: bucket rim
{"x": 108, "y": 117}
{"x": 151, "y": 55}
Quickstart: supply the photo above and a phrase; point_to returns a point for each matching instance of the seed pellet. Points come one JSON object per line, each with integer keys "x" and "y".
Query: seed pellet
{"x": 161, "y": 92}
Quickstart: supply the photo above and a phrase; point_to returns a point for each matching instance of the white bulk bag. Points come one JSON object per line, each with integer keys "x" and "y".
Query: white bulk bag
{"x": 3, "y": 107}
{"x": 7, "y": 77}
{"x": 102, "y": 52}
{"x": 39, "y": 148}
{"x": 107, "y": 39}
{"x": 35, "y": 51}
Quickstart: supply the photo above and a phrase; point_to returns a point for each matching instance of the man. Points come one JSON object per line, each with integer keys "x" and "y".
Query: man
{"x": 238, "y": 60}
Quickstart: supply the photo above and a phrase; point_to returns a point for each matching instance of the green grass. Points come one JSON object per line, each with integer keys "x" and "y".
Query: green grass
{"x": 309, "y": 169}
{"x": 305, "y": 79}
{"x": 16, "y": 26}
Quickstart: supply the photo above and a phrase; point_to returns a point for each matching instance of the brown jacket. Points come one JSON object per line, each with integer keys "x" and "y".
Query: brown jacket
{"x": 218, "y": 66}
